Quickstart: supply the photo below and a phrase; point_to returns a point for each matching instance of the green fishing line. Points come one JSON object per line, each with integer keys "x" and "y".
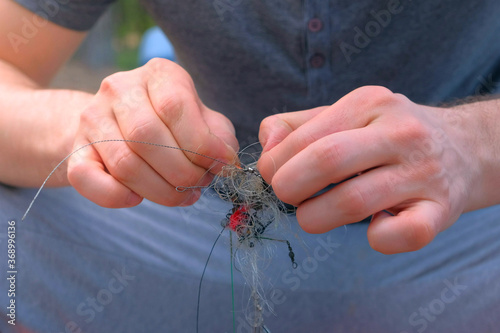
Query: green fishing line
{"x": 232, "y": 280}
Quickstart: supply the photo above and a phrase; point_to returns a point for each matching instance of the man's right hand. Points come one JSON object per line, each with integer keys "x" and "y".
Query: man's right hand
{"x": 158, "y": 104}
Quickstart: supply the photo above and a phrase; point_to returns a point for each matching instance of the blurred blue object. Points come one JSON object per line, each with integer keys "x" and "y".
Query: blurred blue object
{"x": 155, "y": 44}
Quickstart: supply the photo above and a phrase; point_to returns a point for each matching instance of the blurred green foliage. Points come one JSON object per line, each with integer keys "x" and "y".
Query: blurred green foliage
{"x": 131, "y": 22}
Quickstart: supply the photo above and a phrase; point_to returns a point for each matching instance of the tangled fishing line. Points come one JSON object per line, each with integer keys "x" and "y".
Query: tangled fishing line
{"x": 255, "y": 213}
{"x": 256, "y": 209}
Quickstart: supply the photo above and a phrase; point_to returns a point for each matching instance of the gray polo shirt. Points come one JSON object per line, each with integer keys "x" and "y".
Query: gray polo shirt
{"x": 250, "y": 59}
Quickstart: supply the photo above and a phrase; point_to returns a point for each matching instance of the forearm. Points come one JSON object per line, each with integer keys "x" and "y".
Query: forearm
{"x": 37, "y": 128}
{"x": 480, "y": 122}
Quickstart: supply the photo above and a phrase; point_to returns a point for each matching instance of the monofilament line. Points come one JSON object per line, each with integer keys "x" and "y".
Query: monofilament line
{"x": 201, "y": 281}
{"x": 110, "y": 140}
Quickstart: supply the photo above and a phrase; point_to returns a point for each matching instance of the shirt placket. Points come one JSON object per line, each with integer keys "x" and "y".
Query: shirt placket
{"x": 318, "y": 49}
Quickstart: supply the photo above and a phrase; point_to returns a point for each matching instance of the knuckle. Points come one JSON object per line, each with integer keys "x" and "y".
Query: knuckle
{"x": 141, "y": 132}
{"x": 304, "y": 139}
{"x": 164, "y": 66}
{"x": 411, "y": 135}
{"x": 433, "y": 170}
{"x": 164, "y": 75}
{"x": 158, "y": 70}
{"x": 328, "y": 156}
{"x": 171, "y": 107}
{"x": 112, "y": 84}
{"x": 298, "y": 142}
{"x": 122, "y": 166}
{"x": 374, "y": 95}
{"x": 97, "y": 128}
{"x": 88, "y": 116}
{"x": 158, "y": 63}
{"x": 373, "y": 91}
{"x": 206, "y": 147}
{"x": 415, "y": 130}
{"x": 391, "y": 182}
{"x": 353, "y": 202}
{"x": 385, "y": 99}
{"x": 93, "y": 124}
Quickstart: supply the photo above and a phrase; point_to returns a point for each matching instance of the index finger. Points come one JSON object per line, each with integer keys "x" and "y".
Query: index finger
{"x": 355, "y": 110}
{"x": 276, "y": 128}
{"x": 192, "y": 125}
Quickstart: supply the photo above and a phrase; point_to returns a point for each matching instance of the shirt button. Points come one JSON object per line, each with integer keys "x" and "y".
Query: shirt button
{"x": 315, "y": 24}
{"x": 317, "y": 60}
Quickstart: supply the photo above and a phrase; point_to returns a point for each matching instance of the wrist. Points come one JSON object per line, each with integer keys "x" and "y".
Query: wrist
{"x": 482, "y": 136}
{"x": 40, "y": 136}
